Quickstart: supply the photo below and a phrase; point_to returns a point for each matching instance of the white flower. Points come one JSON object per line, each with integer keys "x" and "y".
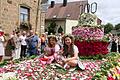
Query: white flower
{"x": 8, "y": 75}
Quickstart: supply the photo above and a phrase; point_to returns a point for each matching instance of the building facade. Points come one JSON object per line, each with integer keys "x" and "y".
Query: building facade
{"x": 64, "y": 14}
{"x": 44, "y": 7}
{"x": 13, "y": 13}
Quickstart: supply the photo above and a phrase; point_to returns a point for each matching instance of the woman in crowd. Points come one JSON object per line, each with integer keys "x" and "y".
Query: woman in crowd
{"x": 17, "y": 41}
{"x": 50, "y": 51}
{"x": 119, "y": 44}
{"x": 1, "y": 45}
{"x": 114, "y": 44}
{"x": 9, "y": 46}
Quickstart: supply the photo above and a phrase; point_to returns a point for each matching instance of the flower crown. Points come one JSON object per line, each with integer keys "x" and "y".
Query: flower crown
{"x": 69, "y": 35}
{"x": 49, "y": 36}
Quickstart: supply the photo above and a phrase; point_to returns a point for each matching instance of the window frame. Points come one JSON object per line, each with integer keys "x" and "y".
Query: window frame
{"x": 24, "y": 14}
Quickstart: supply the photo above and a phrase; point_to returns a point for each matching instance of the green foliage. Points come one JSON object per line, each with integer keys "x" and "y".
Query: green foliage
{"x": 3, "y": 63}
{"x": 107, "y": 28}
{"x": 12, "y": 78}
{"x": 99, "y": 77}
{"x": 33, "y": 56}
{"x": 105, "y": 39}
{"x": 62, "y": 71}
{"x": 106, "y": 66}
{"x": 17, "y": 61}
{"x": 117, "y": 27}
{"x": 113, "y": 56}
{"x": 25, "y": 26}
{"x": 52, "y": 28}
{"x": 60, "y": 29}
{"x": 68, "y": 79}
{"x": 94, "y": 57}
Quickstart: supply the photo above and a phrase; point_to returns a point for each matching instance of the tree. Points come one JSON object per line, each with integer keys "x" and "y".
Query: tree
{"x": 117, "y": 27}
{"x": 108, "y": 27}
{"x": 60, "y": 29}
{"x": 52, "y": 28}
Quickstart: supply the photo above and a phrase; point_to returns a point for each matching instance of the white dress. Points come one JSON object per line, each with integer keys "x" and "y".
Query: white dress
{"x": 2, "y": 51}
{"x": 80, "y": 65}
{"x": 18, "y": 48}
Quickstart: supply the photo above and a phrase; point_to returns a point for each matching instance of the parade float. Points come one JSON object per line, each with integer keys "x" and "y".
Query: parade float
{"x": 89, "y": 36}
{"x": 89, "y": 39}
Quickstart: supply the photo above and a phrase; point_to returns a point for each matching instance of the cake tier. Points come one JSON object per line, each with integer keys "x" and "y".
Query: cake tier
{"x": 86, "y": 33}
{"x": 89, "y": 48}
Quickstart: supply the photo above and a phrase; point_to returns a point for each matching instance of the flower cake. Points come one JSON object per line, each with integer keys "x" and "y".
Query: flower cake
{"x": 89, "y": 36}
{"x": 88, "y": 28}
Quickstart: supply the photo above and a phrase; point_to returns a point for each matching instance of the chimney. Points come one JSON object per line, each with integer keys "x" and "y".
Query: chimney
{"x": 52, "y": 4}
{"x": 64, "y": 2}
{"x": 44, "y": 1}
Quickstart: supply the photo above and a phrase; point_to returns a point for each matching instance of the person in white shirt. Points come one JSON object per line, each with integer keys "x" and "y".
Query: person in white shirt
{"x": 2, "y": 52}
{"x": 70, "y": 53}
{"x": 23, "y": 45}
{"x": 17, "y": 41}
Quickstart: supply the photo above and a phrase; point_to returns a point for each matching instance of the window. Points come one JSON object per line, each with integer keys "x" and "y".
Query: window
{"x": 24, "y": 14}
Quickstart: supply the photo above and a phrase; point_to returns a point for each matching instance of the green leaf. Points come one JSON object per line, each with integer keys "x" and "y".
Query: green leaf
{"x": 67, "y": 79}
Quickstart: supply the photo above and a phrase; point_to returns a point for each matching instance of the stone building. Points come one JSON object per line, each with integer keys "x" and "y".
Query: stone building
{"x": 44, "y": 8}
{"x": 15, "y": 12}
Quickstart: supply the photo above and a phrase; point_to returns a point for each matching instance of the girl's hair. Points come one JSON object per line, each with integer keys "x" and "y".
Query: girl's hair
{"x": 65, "y": 47}
{"x": 51, "y": 37}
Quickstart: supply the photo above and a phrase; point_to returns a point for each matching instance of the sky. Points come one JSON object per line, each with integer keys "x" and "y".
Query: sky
{"x": 108, "y": 10}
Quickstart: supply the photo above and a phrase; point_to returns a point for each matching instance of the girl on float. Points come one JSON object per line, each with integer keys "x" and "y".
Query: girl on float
{"x": 70, "y": 53}
{"x": 51, "y": 50}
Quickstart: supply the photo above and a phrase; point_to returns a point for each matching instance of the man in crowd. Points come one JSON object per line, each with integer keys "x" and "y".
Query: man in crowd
{"x": 32, "y": 42}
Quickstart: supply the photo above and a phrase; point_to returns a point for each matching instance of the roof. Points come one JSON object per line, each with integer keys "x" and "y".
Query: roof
{"x": 71, "y": 11}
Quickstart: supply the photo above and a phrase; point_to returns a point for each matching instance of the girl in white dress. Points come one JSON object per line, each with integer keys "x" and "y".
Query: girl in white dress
{"x": 70, "y": 53}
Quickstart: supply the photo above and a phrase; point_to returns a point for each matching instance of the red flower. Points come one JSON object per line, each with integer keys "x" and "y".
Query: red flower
{"x": 28, "y": 74}
{"x": 91, "y": 47}
{"x": 110, "y": 78}
{"x": 44, "y": 59}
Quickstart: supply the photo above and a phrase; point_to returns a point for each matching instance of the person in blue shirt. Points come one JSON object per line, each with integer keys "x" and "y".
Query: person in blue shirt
{"x": 32, "y": 42}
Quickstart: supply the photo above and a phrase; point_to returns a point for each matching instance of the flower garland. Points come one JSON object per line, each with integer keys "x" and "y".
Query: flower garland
{"x": 88, "y": 19}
